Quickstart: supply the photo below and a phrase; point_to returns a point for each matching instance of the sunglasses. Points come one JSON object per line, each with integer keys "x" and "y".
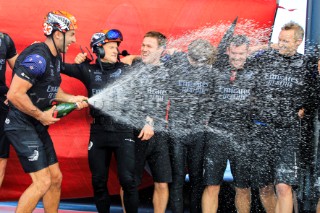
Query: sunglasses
{"x": 114, "y": 35}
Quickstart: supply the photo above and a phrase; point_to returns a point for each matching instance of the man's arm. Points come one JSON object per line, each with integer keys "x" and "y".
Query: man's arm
{"x": 80, "y": 100}
{"x": 17, "y": 95}
{"x": 129, "y": 59}
{"x": 12, "y": 60}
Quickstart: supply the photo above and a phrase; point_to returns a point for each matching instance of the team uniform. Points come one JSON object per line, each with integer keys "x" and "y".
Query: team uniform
{"x": 29, "y": 137}
{"x": 190, "y": 95}
{"x": 316, "y": 160}
{"x": 153, "y": 96}
{"x": 227, "y": 136}
{"x": 7, "y": 51}
{"x": 108, "y": 135}
{"x": 283, "y": 89}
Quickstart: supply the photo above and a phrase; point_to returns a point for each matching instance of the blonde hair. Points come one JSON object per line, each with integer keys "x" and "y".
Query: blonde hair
{"x": 298, "y": 30}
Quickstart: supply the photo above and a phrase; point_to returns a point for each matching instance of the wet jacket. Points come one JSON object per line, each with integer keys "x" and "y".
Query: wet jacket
{"x": 232, "y": 97}
{"x": 283, "y": 87}
{"x": 151, "y": 92}
{"x": 191, "y": 89}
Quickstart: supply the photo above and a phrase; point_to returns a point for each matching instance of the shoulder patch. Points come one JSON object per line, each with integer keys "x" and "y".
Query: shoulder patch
{"x": 35, "y": 64}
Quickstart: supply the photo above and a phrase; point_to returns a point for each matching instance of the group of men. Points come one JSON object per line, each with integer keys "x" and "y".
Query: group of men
{"x": 199, "y": 109}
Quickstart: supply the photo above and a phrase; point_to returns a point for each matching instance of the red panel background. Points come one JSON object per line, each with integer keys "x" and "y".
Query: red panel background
{"x": 177, "y": 19}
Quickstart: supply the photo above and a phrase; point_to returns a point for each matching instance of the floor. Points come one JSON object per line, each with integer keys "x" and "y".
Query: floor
{"x": 226, "y": 203}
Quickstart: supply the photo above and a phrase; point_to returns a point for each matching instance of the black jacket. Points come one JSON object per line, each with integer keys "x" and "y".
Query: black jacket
{"x": 284, "y": 86}
{"x": 109, "y": 108}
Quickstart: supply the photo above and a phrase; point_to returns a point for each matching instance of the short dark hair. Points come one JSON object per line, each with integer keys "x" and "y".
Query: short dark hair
{"x": 239, "y": 40}
{"x": 162, "y": 39}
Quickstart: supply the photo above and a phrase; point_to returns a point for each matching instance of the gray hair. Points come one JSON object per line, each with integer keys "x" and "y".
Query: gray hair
{"x": 202, "y": 51}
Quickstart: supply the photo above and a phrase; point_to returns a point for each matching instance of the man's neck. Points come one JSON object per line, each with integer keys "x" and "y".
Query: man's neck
{"x": 50, "y": 44}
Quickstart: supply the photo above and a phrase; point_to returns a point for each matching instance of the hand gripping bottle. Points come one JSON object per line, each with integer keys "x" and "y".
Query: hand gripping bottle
{"x": 64, "y": 109}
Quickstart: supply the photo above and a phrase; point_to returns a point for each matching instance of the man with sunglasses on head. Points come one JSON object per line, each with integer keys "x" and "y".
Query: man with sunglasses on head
{"x": 34, "y": 88}
{"x": 8, "y": 54}
{"x": 107, "y": 135}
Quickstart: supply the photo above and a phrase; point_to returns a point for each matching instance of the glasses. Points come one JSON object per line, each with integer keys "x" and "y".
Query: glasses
{"x": 114, "y": 35}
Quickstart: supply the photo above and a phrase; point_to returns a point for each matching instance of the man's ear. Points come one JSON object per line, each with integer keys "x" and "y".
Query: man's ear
{"x": 57, "y": 34}
{"x": 299, "y": 41}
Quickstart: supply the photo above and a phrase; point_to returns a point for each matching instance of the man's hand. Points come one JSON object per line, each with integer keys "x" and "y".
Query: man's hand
{"x": 172, "y": 51}
{"x": 81, "y": 101}
{"x": 46, "y": 117}
{"x": 6, "y": 102}
{"x": 301, "y": 113}
{"x": 129, "y": 59}
{"x": 81, "y": 57}
{"x": 146, "y": 133}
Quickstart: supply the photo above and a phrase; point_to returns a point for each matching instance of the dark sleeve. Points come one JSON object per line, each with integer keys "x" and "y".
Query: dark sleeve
{"x": 11, "y": 49}
{"x": 305, "y": 98}
{"x": 308, "y": 94}
{"x": 31, "y": 67}
{"x": 314, "y": 85}
{"x": 177, "y": 58}
{"x": 78, "y": 71}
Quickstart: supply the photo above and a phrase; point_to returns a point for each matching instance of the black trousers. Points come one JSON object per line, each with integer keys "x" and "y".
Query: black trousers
{"x": 186, "y": 157}
{"x": 99, "y": 154}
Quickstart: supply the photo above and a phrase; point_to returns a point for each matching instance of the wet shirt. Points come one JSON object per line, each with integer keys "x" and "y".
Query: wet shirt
{"x": 233, "y": 94}
{"x": 283, "y": 88}
{"x": 151, "y": 92}
{"x": 191, "y": 92}
{"x": 7, "y": 51}
{"x": 96, "y": 80}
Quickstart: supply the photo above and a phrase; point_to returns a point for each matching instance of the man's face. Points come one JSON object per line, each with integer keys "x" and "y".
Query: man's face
{"x": 150, "y": 51}
{"x": 111, "y": 52}
{"x": 237, "y": 55}
{"x": 288, "y": 45}
{"x": 70, "y": 37}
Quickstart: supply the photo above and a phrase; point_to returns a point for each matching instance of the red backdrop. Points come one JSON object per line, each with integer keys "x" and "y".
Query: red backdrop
{"x": 177, "y": 19}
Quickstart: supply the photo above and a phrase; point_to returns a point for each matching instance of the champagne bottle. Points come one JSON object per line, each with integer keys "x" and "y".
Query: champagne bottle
{"x": 64, "y": 109}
